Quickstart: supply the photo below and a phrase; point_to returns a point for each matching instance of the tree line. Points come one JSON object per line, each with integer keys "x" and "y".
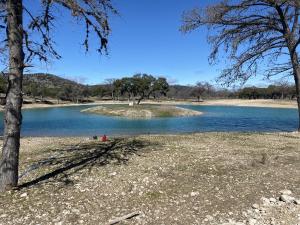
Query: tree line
{"x": 139, "y": 87}
{"x": 281, "y": 90}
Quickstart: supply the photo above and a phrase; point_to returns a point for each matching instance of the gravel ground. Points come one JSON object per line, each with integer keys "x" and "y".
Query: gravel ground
{"x": 205, "y": 178}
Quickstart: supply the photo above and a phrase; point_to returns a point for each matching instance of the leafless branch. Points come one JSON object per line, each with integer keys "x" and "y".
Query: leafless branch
{"x": 251, "y": 33}
{"x": 38, "y": 41}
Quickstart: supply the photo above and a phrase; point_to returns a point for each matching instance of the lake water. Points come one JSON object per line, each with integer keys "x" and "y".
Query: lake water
{"x": 69, "y": 121}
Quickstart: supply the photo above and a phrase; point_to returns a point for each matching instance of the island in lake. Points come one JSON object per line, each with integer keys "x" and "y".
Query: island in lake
{"x": 144, "y": 111}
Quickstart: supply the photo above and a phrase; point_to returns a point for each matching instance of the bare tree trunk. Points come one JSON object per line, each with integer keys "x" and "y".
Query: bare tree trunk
{"x": 296, "y": 70}
{"x": 141, "y": 98}
{"x": 297, "y": 83}
{"x": 13, "y": 118}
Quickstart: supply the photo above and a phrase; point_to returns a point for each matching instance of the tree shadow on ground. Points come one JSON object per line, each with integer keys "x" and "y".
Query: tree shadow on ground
{"x": 68, "y": 160}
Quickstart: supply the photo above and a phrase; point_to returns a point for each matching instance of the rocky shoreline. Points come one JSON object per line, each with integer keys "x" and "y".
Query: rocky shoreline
{"x": 203, "y": 179}
{"x": 283, "y": 209}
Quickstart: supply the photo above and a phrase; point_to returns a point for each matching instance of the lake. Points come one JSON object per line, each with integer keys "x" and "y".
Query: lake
{"x": 69, "y": 121}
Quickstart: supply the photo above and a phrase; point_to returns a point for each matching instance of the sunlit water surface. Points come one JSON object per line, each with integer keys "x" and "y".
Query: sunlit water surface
{"x": 69, "y": 121}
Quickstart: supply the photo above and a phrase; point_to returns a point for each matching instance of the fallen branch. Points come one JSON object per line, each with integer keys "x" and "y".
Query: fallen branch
{"x": 120, "y": 219}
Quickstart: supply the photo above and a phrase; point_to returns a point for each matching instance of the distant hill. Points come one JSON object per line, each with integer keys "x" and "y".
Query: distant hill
{"x": 49, "y": 81}
{"x": 49, "y": 85}
{"x": 42, "y": 85}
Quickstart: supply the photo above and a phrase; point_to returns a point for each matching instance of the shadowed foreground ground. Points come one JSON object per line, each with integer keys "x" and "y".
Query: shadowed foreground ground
{"x": 171, "y": 179}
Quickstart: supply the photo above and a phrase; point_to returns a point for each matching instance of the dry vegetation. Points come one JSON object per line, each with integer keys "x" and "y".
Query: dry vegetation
{"x": 141, "y": 111}
{"x": 169, "y": 179}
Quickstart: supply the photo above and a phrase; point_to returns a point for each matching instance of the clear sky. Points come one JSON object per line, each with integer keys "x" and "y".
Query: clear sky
{"x": 145, "y": 38}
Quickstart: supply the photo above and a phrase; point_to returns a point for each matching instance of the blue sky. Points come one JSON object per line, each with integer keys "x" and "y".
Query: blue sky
{"x": 145, "y": 38}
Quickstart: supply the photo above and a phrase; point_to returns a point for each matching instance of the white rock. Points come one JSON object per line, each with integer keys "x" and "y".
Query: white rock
{"x": 209, "y": 218}
{"x": 273, "y": 200}
{"x": 23, "y": 195}
{"x": 252, "y": 221}
{"x": 112, "y": 174}
{"x": 193, "y": 194}
{"x": 255, "y": 206}
{"x": 285, "y": 192}
{"x": 286, "y": 198}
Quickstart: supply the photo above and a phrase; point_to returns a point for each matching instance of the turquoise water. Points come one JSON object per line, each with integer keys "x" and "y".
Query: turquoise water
{"x": 69, "y": 121}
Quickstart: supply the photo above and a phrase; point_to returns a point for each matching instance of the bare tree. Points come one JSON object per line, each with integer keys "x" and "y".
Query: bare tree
{"x": 200, "y": 89}
{"x": 23, "y": 43}
{"x": 110, "y": 84}
{"x": 259, "y": 36}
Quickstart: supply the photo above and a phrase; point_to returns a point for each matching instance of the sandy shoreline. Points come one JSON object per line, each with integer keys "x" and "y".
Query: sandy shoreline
{"x": 216, "y": 102}
{"x": 40, "y": 106}
{"x": 253, "y": 103}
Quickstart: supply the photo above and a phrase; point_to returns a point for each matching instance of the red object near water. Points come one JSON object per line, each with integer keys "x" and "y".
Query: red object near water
{"x": 104, "y": 138}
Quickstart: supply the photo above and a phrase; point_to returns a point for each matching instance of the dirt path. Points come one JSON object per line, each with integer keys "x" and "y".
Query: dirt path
{"x": 205, "y": 178}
